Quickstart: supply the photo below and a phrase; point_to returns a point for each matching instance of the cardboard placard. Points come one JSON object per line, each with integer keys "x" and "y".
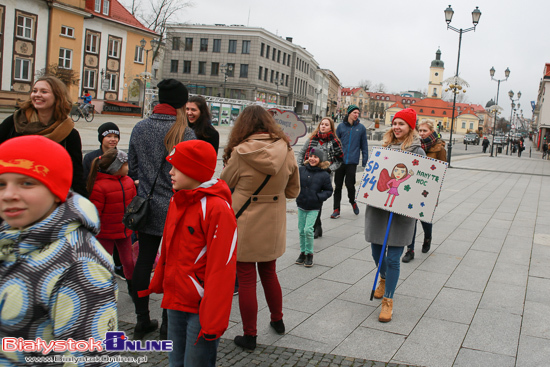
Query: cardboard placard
{"x": 402, "y": 182}
{"x": 291, "y": 124}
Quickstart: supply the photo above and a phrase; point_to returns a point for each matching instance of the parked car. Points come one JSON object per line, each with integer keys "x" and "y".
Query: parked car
{"x": 471, "y": 138}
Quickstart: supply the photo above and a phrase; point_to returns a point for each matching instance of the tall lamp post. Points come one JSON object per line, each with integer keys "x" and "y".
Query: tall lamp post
{"x": 476, "y": 14}
{"x": 277, "y": 83}
{"x": 511, "y": 95}
{"x": 506, "y": 74}
{"x": 146, "y": 75}
{"x": 227, "y": 70}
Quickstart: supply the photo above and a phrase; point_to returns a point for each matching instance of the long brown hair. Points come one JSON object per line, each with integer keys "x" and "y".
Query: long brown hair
{"x": 202, "y": 125}
{"x": 390, "y": 139}
{"x": 62, "y": 104}
{"x": 175, "y": 134}
{"x": 253, "y": 119}
{"x": 102, "y": 162}
{"x": 331, "y": 121}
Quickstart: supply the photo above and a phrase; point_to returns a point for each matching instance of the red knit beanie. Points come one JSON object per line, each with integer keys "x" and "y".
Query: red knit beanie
{"x": 40, "y": 158}
{"x": 408, "y": 115}
{"x": 194, "y": 158}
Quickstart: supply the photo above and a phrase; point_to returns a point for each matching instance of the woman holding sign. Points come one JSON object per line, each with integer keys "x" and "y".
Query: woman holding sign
{"x": 434, "y": 148}
{"x": 401, "y": 136}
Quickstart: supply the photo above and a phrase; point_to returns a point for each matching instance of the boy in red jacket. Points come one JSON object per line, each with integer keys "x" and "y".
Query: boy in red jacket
{"x": 197, "y": 266}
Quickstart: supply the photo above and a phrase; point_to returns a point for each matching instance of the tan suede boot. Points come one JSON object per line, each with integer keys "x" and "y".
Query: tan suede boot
{"x": 387, "y": 310}
{"x": 379, "y": 292}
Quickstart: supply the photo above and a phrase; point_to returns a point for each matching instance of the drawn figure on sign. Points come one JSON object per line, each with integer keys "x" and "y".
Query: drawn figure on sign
{"x": 399, "y": 174}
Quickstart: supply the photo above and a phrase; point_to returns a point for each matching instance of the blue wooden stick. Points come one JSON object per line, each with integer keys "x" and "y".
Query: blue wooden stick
{"x": 381, "y": 255}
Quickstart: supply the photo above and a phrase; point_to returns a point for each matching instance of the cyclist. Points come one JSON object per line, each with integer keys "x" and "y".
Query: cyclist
{"x": 87, "y": 101}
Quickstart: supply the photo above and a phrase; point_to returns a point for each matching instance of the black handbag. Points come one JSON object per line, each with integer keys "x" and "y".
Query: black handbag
{"x": 136, "y": 213}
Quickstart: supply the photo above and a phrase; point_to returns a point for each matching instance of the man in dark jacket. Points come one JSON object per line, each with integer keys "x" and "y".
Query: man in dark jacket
{"x": 353, "y": 136}
{"x": 108, "y": 135}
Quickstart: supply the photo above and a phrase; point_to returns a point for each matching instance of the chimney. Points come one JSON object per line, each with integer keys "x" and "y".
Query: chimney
{"x": 289, "y": 39}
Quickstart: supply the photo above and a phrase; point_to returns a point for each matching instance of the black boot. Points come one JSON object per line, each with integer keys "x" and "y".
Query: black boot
{"x": 246, "y": 341}
{"x": 409, "y": 255}
{"x": 318, "y": 232}
{"x": 278, "y": 326}
{"x": 300, "y": 260}
{"x": 130, "y": 288}
{"x": 163, "y": 331}
{"x": 426, "y": 245}
{"x": 309, "y": 261}
{"x": 144, "y": 326}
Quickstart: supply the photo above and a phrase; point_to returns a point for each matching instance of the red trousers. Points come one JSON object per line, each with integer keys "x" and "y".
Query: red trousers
{"x": 248, "y": 302}
{"x": 124, "y": 247}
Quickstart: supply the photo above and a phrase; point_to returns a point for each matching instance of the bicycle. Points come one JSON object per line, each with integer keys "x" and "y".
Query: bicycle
{"x": 85, "y": 110}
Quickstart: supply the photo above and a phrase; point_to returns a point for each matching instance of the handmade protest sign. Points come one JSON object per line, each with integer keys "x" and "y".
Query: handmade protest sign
{"x": 402, "y": 182}
{"x": 291, "y": 124}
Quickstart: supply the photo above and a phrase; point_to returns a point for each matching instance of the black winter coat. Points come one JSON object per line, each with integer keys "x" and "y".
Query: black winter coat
{"x": 315, "y": 187}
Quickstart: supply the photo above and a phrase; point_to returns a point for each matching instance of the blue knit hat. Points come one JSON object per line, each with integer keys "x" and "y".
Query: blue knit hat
{"x": 352, "y": 108}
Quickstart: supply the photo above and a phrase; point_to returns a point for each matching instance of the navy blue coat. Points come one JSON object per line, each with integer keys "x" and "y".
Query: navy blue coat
{"x": 315, "y": 187}
{"x": 354, "y": 141}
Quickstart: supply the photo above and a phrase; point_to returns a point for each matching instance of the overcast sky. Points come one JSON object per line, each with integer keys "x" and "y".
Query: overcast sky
{"x": 394, "y": 42}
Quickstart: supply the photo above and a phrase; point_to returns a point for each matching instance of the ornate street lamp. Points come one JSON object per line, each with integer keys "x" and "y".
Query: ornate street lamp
{"x": 476, "y": 14}
{"x": 227, "y": 70}
{"x": 506, "y": 74}
{"x": 512, "y": 111}
{"x": 146, "y": 75}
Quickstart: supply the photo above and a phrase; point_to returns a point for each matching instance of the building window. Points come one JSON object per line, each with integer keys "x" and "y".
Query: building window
{"x": 67, "y": 31}
{"x": 274, "y": 54}
{"x": 471, "y": 125}
{"x": 444, "y": 112}
{"x": 246, "y": 47}
{"x": 113, "y": 79}
{"x": 260, "y": 73}
{"x": 106, "y": 7}
{"x": 138, "y": 55}
{"x": 279, "y": 56}
{"x": 262, "y": 46}
{"x": 433, "y": 112}
{"x": 244, "y": 71}
{"x": 114, "y": 47}
{"x": 286, "y": 83}
{"x": 267, "y": 52}
{"x": 22, "y": 69}
{"x": 272, "y": 75}
{"x": 91, "y": 42}
{"x": 204, "y": 44}
{"x": 97, "y": 6}
{"x": 217, "y": 45}
{"x": 89, "y": 79}
{"x": 232, "y": 46}
{"x": 187, "y": 67}
{"x": 421, "y": 110}
{"x": 175, "y": 43}
{"x": 188, "y": 44}
{"x": 265, "y": 75}
{"x": 202, "y": 67}
{"x": 24, "y": 27}
{"x": 215, "y": 68}
{"x": 65, "y": 57}
{"x": 174, "y": 65}
{"x": 463, "y": 125}
{"x": 230, "y": 70}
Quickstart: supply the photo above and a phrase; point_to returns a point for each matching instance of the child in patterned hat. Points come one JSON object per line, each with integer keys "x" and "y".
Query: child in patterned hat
{"x": 56, "y": 279}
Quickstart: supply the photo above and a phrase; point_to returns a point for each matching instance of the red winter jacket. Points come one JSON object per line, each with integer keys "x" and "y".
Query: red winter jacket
{"x": 197, "y": 266}
{"x": 111, "y": 195}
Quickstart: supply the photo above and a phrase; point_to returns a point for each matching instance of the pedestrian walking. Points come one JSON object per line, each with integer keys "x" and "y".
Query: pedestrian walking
{"x": 57, "y": 281}
{"x": 315, "y": 188}
{"x": 111, "y": 191}
{"x": 434, "y": 147}
{"x": 200, "y": 120}
{"x": 46, "y": 113}
{"x": 485, "y": 144}
{"x": 545, "y": 150}
{"x": 521, "y": 146}
{"x": 261, "y": 167}
{"x": 150, "y": 142}
{"x": 196, "y": 270}
{"x": 401, "y": 136}
{"x": 353, "y": 136}
{"x": 323, "y": 137}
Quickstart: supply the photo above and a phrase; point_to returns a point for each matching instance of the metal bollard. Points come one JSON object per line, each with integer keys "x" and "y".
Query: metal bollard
{"x": 529, "y": 152}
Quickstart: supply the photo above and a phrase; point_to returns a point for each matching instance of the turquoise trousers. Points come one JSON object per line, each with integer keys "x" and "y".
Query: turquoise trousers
{"x": 306, "y": 221}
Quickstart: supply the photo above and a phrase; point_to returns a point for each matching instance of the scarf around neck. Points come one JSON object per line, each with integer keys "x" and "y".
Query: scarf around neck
{"x": 27, "y": 123}
{"x": 429, "y": 141}
{"x": 164, "y": 109}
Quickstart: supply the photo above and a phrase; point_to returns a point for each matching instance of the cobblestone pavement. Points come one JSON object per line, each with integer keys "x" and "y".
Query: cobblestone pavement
{"x": 230, "y": 355}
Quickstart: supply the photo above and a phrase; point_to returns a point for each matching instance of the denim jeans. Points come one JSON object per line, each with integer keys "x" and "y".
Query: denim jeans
{"x": 390, "y": 266}
{"x": 427, "y": 227}
{"x": 183, "y": 329}
{"x": 306, "y": 222}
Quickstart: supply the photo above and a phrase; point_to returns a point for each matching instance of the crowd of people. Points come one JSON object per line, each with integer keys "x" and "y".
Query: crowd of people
{"x": 62, "y": 218}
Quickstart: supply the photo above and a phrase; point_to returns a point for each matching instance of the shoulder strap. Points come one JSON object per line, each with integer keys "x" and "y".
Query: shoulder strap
{"x": 250, "y": 199}
{"x": 157, "y": 176}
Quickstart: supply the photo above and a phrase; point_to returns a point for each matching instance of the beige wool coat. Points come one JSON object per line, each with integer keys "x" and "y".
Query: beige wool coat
{"x": 262, "y": 226}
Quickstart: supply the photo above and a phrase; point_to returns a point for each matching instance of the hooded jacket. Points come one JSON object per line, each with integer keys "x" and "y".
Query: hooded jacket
{"x": 262, "y": 226}
{"x": 402, "y": 227}
{"x": 111, "y": 195}
{"x": 354, "y": 141}
{"x": 56, "y": 280}
{"x": 197, "y": 266}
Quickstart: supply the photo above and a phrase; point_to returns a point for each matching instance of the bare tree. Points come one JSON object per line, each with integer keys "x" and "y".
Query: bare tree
{"x": 379, "y": 88}
{"x": 67, "y": 76}
{"x": 460, "y": 98}
{"x": 365, "y": 84}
